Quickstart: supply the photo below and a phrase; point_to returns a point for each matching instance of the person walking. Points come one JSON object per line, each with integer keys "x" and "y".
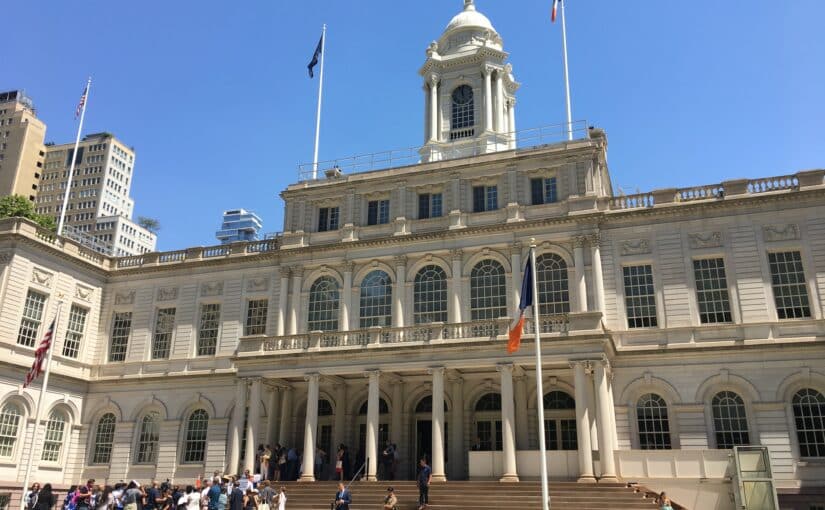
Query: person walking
{"x": 425, "y": 477}
{"x": 343, "y": 499}
{"x": 32, "y": 495}
{"x": 281, "y": 498}
{"x": 45, "y": 498}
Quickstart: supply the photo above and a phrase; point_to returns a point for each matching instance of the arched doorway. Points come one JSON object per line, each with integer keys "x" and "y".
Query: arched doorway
{"x": 324, "y": 437}
{"x": 488, "y": 422}
{"x": 383, "y": 430}
{"x": 423, "y": 433}
{"x": 560, "y": 421}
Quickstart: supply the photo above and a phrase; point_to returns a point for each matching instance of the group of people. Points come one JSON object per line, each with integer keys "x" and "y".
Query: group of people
{"x": 281, "y": 463}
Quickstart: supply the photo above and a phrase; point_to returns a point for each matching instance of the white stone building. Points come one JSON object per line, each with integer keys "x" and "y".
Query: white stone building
{"x": 675, "y": 324}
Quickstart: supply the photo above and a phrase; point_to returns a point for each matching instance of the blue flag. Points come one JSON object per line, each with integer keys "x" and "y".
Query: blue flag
{"x": 316, "y": 56}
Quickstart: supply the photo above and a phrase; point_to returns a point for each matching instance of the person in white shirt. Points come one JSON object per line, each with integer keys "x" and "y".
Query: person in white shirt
{"x": 282, "y": 499}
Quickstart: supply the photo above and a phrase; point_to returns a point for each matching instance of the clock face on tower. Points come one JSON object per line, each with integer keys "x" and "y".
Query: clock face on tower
{"x": 463, "y": 94}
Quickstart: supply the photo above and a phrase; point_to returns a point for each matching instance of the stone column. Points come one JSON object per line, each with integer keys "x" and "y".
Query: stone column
{"x": 512, "y": 124}
{"x": 457, "y": 454}
{"x": 399, "y": 292}
{"x": 273, "y": 416}
{"x": 521, "y": 413}
{"x": 500, "y": 108}
{"x": 583, "y": 409}
{"x": 286, "y": 416}
{"x": 455, "y": 192}
{"x": 515, "y": 261}
{"x": 426, "y": 113}
{"x": 434, "y": 108}
{"x": 455, "y": 289}
{"x": 397, "y": 406}
{"x": 372, "y": 425}
{"x": 340, "y": 414}
{"x": 508, "y": 418}
{"x": 598, "y": 281}
{"x": 253, "y": 424}
{"x": 614, "y": 433}
{"x": 295, "y": 301}
{"x": 578, "y": 272}
{"x": 606, "y": 459}
{"x": 310, "y": 428}
{"x": 488, "y": 97}
{"x": 346, "y": 297}
{"x": 280, "y": 328}
{"x": 236, "y": 431}
{"x": 438, "y": 424}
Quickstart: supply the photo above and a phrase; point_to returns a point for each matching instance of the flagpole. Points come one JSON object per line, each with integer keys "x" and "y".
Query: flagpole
{"x": 566, "y": 74}
{"x": 40, "y": 400}
{"x": 74, "y": 159}
{"x": 545, "y": 490}
{"x": 318, "y": 112}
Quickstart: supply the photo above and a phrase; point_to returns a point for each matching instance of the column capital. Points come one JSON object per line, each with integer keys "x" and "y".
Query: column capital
{"x": 432, "y": 79}
{"x": 400, "y": 260}
{"x": 456, "y": 255}
{"x": 297, "y": 271}
{"x": 372, "y": 373}
{"x": 455, "y": 377}
{"x": 347, "y": 266}
{"x": 586, "y": 363}
{"x": 515, "y": 248}
{"x": 594, "y": 239}
{"x": 506, "y": 366}
{"x": 487, "y": 70}
{"x": 436, "y": 370}
{"x": 312, "y": 377}
{"x": 286, "y": 271}
{"x": 578, "y": 241}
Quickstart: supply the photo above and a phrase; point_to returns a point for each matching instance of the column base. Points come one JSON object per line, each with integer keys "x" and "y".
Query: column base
{"x": 439, "y": 478}
{"x": 306, "y": 478}
{"x": 371, "y": 478}
{"x": 608, "y": 479}
{"x": 509, "y": 478}
{"x": 587, "y": 479}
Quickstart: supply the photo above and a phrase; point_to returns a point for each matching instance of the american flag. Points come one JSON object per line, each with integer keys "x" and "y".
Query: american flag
{"x": 40, "y": 356}
{"x": 553, "y": 13}
{"x": 82, "y": 102}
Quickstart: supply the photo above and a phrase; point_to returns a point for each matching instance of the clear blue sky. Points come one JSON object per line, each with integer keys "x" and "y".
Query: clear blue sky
{"x": 215, "y": 98}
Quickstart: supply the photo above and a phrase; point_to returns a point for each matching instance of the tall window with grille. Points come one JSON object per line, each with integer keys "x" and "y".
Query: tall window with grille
{"x": 639, "y": 296}
{"x": 164, "y": 329}
{"x": 328, "y": 219}
{"x": 430, "y": 295}
{"x": 488, "y": 292}
{"x": 53, "y": 441}
{"x": 208, "y": 330}
{"x": 429, "y": 205}
{"x": 121, "y": 329}
{"x": 323, "y": 305}
{"x": 485, "y": 198}
{"x": 10, "y": 417}
{"x": 148, "y": 439}
{"x": 730, "y": 423}
{"x": 462, "y": 118}
{"x": 104, "y": 439}
{"x": 32, "y": 317}
{"x": 790, "y": 291}
{"x": 809, "y": 417}
{"x": 543, "y": 190}
{"x": 256, "y": 310}
{"x": 376, "y": 300}
{"x": 554, "y": 292}
{"x": 560, "y": 421}
{"x": 712, "y": 290}
{"x": 74, "y": 332}
{"x": 378, "y": 212}
{"x": 653, "y": 423}
{"x": 194, "y": 447}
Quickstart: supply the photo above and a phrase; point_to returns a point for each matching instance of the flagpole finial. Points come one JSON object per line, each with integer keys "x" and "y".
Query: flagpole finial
{"x": 469, "y": 5}
{"x": 532, "y": 242}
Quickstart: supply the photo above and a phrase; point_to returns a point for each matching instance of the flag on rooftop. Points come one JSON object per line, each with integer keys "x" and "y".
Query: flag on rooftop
{"x": 555, "y": 9}
{"x": 526, "y": 300}
{"x": 316, "y": 56}
{"x": 81, "y": 102}
{"x": 40, "y": 356}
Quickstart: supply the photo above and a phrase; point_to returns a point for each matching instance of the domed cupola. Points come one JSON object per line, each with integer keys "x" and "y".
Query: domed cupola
{"x": 469, "y": 90}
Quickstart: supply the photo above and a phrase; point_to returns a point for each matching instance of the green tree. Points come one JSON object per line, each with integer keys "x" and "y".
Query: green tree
{"x": 150, "y": 224}
{"x": 19, "y": 206}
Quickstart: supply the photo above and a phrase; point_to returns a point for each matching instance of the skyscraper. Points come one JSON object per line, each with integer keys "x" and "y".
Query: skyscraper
{"x": 21, "y": 145}
{"x": 239, "y": 225}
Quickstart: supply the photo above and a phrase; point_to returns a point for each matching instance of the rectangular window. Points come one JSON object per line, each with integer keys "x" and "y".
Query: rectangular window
{"x": 543, "y": 191}
{"x": 208, "y": 330}
{"x": 485, "y": 198}
{"x": 256, "y": 310}
{"x": 74, "y": 333}
{"x": 790, "y": 291}
{"x": 640, "y": 296}
{"x": 378, "y": 212}
{"x": 712, "y": 291}
{"x": 164, "y": 328}
{"x": 429, "y": 205}
{"x": 327, "y": 219}
{"x": 121, "y": 328}
{"x": 32, "y": 317}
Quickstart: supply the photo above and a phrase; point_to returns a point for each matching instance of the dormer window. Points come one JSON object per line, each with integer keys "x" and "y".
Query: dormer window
{"x": 463, "y": 114}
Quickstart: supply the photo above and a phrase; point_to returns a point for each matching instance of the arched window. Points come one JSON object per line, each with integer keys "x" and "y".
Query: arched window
{"x": 53, "y": 442}
{"x": 324, "y": 407}
{"x": 809, "y": 416}
{"x": 104, "y": 437}
{"x": 560, "y": 421}
{"x": 376, "y": 300}
{"x": 463, "y": 111}
{"x": 194, "y": 448}
{"x": 551, "y": 273}
{"x": 488, "y": 422}
{"x": 730, "y": 424}
{"x": 654, "y": 428}
{"x": 10, "y": 418}
{"x": 488, "y": 293}
{"x": 382, "y": 407}
{"x": 323, "y": 305}
{"x": 425, "y": 405}
{"x": 489, "y": 402}
{"x": 430, "y": 295}
{"x": 148, "y": 438}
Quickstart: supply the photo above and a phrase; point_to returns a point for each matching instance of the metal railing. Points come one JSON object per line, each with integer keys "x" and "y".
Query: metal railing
{"x": 457, "y": 147}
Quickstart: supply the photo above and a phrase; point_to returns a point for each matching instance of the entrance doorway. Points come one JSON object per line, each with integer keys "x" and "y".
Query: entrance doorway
{"x": 423, "y": 441}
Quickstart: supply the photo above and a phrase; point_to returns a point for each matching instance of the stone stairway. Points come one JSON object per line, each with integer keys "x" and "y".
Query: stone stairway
{"x": 484, "y": 495}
